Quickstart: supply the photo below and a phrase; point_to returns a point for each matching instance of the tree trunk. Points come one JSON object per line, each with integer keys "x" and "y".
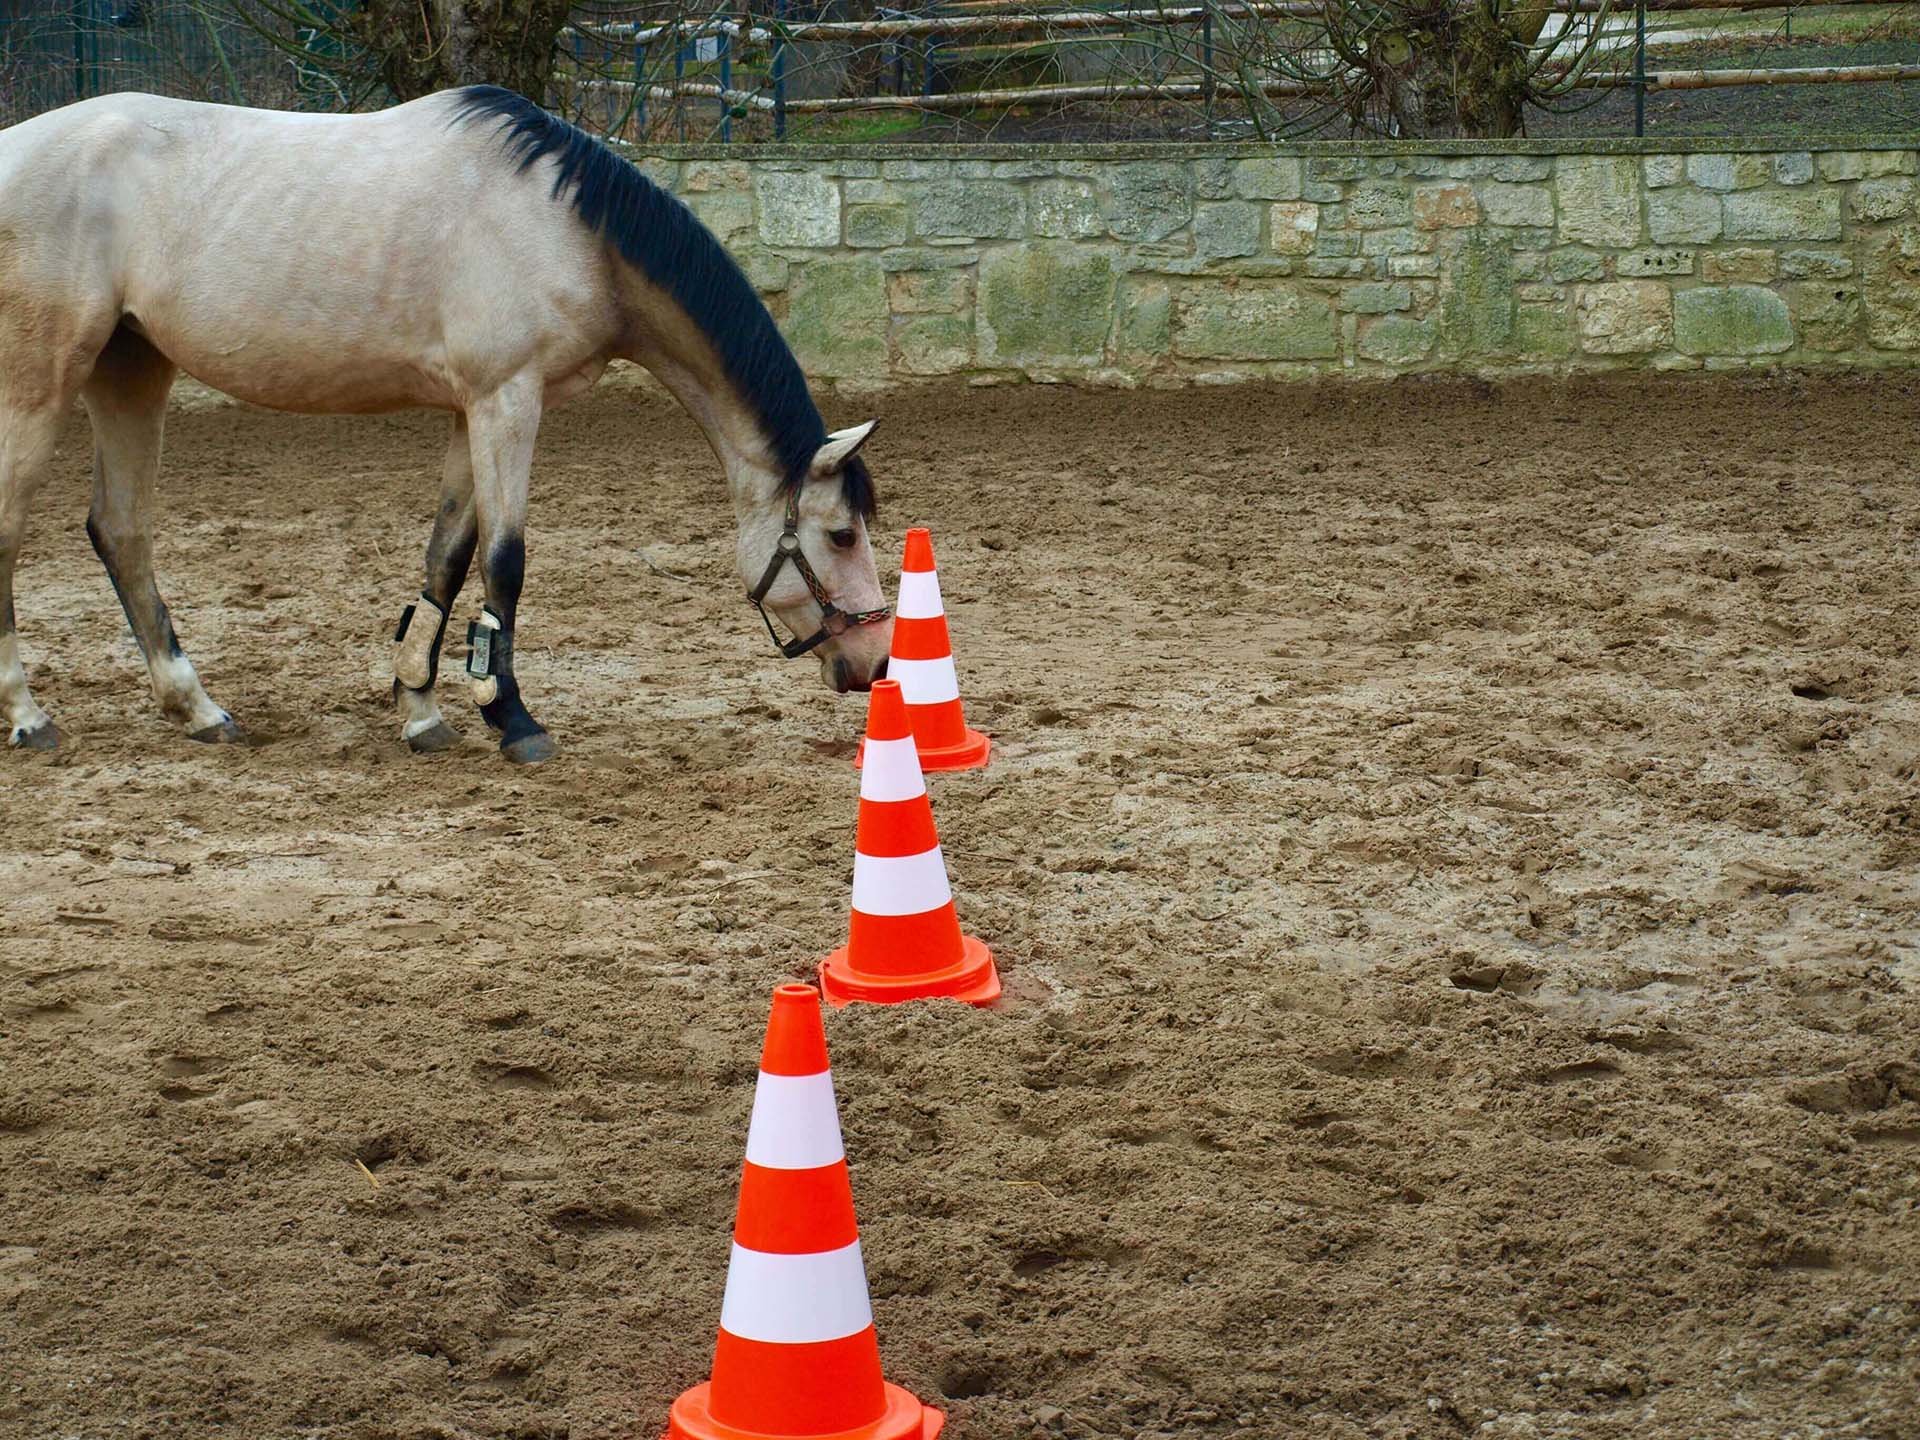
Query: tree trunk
{"x": 426, "y": 45}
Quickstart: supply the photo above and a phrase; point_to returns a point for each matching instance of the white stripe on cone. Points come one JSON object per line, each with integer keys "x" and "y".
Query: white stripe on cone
{"x": 890, "y": 770}
{"x": 796, "y": 1299}
{"x": 919, "y": 596}
{"x": 900, "y": 884}
{"x": 925, "y": 682}
{"x": 795, "y": 1125}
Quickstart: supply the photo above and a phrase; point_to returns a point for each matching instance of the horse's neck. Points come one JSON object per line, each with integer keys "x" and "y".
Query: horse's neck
{"x": 734, "y": 431}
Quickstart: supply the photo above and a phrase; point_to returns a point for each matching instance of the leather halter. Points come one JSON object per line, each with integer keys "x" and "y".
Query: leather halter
{"x": 833, "y": 620}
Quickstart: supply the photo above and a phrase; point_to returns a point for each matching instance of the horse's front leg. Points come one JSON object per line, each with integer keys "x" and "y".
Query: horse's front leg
{"x": 503, "y": 427}
{"x": 416, "y": 646}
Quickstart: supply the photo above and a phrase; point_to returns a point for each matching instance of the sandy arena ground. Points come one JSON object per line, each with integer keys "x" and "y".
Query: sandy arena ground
{"x": 1454, "y": 857}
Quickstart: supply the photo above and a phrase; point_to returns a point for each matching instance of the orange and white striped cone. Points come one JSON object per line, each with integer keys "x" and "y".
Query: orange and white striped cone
{"x": 797, "y": 1354}
{"x": 922, "y": 661}
{"x": 904, "y": 941}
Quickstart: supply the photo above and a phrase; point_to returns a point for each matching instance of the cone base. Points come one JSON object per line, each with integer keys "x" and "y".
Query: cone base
{"x": 970, "y": 754}
{"x": 974, "y": 980}
{"x": 905, "y": 1418}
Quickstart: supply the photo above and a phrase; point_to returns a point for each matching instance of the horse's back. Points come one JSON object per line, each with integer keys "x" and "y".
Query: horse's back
{"x": 305, "y": 261}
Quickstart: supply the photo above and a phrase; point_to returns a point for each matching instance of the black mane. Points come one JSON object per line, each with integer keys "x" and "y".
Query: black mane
{"x": 653, "y": 231}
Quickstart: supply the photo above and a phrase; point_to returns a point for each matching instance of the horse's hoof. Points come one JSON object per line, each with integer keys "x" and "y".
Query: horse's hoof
{"x": 224, "y": 732}
{"x": 530, "y": 749}
{"x": 435, "y": 738}
{"x": 43, "y": 737}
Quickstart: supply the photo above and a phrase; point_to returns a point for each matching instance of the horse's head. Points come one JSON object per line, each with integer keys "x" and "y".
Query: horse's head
{"x": 804, "y": 555}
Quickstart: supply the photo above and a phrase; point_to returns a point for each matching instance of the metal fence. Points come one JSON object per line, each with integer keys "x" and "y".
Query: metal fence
{"x": 651, "y": 70}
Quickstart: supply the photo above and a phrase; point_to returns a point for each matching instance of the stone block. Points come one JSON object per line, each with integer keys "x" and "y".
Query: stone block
{"x": 1793, "y": 168}
{"x": 968, "y": 210}
{"x": 1599, "y": 199}
{"x": 876, "y": 227}
{"x": 1815, "y": 264}
{"x": 1327, "y": 267}
{"x": 766, "y": 271}
{"x": 1223, "y": 229}
{"x": 1064, "y": 209}
{"x": 1666, "y": 260}
{"x": 727, "y": 213}
{"x": 1253, "y": 320}
{"x": 1574, "y": 263}
{"x": 1863, "y": 164}
{"x": 1543, "y": 331}
{"x": 837, "y": 316}
{"x": 699, "y": 177}
{"x": 870, "y": 192}
{"x": 1292, "y": 226}
{"x": 1213, "y": 177}
{"x": 798, "y": 209}
{"x": 1682, "y": 216}
{"x": 933, "y": 344}
{"x": 1148, "y": 200}
{"x": 1424, "y": 267}
{"x": 1379, "y": 205}
{"x": 1625, "y": 317}
{"x": 1731, "y": 320}
{"x": 1752, "y": 267}
{"x": 1513, "y": 204}
{"x": 1392, "y": 242}
{"x": 1876, "y": 200}
{"x": 1729, "y": 172}
{"x": 1267, "y": 178}
{"x": 925, "y": 258}
{"x": 1826, "y": 314}
{"x": 913, "y": 292}
{"x": 1520, "y": 167}
{"x": 1146, "y": 317}
{"x": 1045, "y": 305}
{"x": 1476, "y": 297}
{"x": 1336, "y": 167}
{"x": 1396, "y": 340}
{"x": 1342, "y": 243}
{"x": 1663, "y": 170}
{"x": 1890, "y": 276}
{"x": 1377, "y": 297}
{"x": 1445, "y": 207}
{"x": 1804, "y": 214}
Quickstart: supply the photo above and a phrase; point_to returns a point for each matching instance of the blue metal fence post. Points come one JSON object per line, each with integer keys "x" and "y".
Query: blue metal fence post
{"x": 679, "y": 74}
{"x": 1640, "y": 67}
{"x": 726, "y": 83}
{"x": 1206, "y": 61}
{"x": 779, "y": 69}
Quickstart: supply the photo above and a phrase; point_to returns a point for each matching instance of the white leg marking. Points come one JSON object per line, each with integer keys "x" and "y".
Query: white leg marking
{"x": 176, "y": 685}
{"x": 16, "y": 702}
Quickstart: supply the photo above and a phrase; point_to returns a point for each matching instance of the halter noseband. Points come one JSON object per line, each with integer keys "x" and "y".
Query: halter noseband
{"x": 833, "y": 620}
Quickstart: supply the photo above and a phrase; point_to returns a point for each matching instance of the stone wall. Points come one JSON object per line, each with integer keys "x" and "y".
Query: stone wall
{"x": 1159, "y": 264}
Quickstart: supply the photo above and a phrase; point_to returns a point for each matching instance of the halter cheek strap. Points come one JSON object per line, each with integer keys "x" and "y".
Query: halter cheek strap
{"x": 833, "y": 620}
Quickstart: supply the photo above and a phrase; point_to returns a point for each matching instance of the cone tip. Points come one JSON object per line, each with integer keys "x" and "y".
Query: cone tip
{"x": 919, "y": 554}
{"x": 796, "y": 1042}
{"x": 887, "y": 712}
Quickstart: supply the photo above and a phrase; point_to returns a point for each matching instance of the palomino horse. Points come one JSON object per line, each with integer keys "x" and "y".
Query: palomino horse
{"x": 466, "y": 252}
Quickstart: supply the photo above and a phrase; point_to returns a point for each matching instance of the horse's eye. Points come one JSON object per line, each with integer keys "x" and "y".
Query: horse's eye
{"x": 843, "y": 539}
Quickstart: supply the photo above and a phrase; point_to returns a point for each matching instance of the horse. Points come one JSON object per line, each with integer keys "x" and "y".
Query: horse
{"x": 467, "y": 252}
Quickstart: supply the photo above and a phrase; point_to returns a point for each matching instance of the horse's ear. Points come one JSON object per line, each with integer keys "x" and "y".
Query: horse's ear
{"x": 841, "y": 447}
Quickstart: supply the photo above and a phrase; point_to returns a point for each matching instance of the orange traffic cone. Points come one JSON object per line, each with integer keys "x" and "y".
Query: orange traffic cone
{"x": 922, "y": 661}
{"x": 797, "y": 1354}
{"x": 904, "y": 942}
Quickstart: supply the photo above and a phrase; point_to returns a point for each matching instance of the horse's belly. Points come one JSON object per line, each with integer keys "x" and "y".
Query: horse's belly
{"x": 313, "y": 372}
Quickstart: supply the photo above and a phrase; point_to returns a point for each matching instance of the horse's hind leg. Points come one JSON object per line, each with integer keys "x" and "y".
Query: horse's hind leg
{"x": 416, "y": 647}
{"x": 126, "y": 399}
{"x": 27, "y": 436}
